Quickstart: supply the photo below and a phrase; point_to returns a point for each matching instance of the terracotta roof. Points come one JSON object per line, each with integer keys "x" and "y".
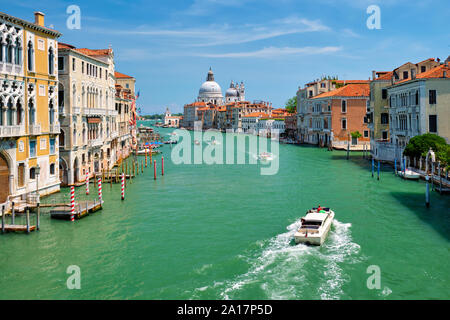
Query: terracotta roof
{"x": 121, "y": 75}
{"x": 256, "y": 114}
{"x": 196, "y": 104}
{"x": 351, "y": 81}
{"x": 349, "y": 90}
{"x": 437, "y": 72}
{"x": 386, "y": 76}
{"x": 94, "y": 52}
{"x": 62, "y": 45}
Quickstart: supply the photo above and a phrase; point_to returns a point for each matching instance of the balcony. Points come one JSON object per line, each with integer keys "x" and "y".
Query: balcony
{"x": 112, "y": 113}
{"x": 55, "y": 128}
{"x": 61, "y": 111}
{"x": 94, "y": 111}
{"x": 114, "y": 135}
{"x": 76, "y": 110}
{"x": 95, "y": 143}
{"x": 12, "y": 131}
{"x": 34, "y": 129}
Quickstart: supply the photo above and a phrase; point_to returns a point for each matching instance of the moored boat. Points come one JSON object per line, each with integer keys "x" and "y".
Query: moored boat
{"x": 409, "y": 174}
{"x": 315, "y": 226}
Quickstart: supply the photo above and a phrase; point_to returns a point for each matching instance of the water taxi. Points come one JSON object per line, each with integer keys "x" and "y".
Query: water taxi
{"x": 409, "y": 175}
{"x": 315, "y": 226}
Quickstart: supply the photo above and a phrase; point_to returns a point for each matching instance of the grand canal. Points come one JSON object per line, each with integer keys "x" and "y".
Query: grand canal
{"x": 225, "y": 232}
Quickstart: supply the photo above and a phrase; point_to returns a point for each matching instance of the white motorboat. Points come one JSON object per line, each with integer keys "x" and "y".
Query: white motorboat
{"x": 315, "y": 226}
{"x": 197, "y": 142}
{"x": 409, "y": 174}
{"x": 265, "y": 156}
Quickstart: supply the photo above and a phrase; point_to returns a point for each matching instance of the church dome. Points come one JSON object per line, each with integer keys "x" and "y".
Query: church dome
{"x": 210, "y": 87}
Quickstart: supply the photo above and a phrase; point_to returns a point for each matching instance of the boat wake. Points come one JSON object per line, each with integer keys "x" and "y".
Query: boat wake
{"x": 283, "y": 270}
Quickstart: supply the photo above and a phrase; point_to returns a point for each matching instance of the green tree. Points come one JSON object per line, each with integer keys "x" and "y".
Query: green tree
{"x": 418, "y": 146}
{"x": 356, "y": 135}
{"x": 291, "y": 105}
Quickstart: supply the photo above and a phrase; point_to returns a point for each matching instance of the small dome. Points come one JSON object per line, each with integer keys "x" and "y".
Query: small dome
{"x": 231, "y": 92}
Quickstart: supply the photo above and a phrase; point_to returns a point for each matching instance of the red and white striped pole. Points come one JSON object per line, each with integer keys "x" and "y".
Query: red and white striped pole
{"x": 87, "y": 183}
{"x": 123, "y": 186}
{"x": 154, "y": 169}
{"x": 100, "y": 190}
{"x": 72, "y": 203}
{"x": 162, "y": 165}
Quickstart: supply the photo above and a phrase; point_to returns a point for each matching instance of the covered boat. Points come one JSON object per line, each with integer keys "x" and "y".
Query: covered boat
{"x": 315, "y": 226}
{"x": 409, "y": 174}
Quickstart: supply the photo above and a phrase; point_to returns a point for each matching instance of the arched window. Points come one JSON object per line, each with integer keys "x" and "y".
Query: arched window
{"x": 30, "y": 56}
{"x": 74, "y": 96}
{"x": 10, "y": 113}
{"x": 51, "y": 62}
{"x": 62, "y": 138}
{"x": 9, "y": 50}
{"x": 19, "y": 113}
{"x": 74, "y": 138}
{"x": 31, "y": 113}
{"x": 18, "y": 52}
{"x": 51, "y": 112}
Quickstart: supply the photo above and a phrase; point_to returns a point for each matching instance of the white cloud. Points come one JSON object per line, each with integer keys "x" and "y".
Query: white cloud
{"x": 272, "y": 52}
{"x": 214, "y": 35}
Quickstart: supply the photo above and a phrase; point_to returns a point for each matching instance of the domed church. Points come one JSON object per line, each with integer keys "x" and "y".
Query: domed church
{"x": 210, "y": 91}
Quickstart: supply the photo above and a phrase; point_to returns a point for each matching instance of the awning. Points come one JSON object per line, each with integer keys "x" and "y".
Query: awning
{"x": 94, "y": 120}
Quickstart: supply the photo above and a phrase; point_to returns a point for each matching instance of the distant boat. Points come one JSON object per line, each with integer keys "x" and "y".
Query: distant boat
{"x": 265, "y": 156}
{"x": 315, "y": 226}
{"x": 197, "y": 142}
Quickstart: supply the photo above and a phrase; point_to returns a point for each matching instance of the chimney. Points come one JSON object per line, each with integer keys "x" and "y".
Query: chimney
{"x": 373, "y": 74}
{"x": 39, "y": 18}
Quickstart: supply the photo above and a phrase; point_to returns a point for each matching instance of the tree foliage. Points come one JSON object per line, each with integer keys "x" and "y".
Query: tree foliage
{"x": 356, "y": 135}
{"x": 291, "y": 105}
{"x": 418, "y": 146}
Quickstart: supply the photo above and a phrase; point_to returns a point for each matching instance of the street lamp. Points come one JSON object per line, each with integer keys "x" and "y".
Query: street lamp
{"x": 37, "y": 172}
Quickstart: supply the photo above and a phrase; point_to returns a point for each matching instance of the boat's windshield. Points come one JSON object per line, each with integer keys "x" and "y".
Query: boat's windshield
{"x": 313, "y": 224}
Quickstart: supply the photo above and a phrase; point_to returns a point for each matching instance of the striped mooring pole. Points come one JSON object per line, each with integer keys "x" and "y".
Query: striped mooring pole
{"x": 72, "y": 203}
{"x": 162, "y": 166}
{"x": 123, "y": 186}
{"x": 100, "y": 190}
{"x": 87, "y": 183}
{"x": 154, "y": 169}
{"x": 378, "y": 170}
{"x": 395, "y": 166}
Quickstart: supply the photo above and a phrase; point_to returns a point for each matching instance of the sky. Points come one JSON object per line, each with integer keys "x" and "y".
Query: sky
{"x": 275, "y": 47}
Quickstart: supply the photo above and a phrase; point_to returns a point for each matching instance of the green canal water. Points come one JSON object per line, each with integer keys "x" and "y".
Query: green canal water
{"x": 225, "y": 232}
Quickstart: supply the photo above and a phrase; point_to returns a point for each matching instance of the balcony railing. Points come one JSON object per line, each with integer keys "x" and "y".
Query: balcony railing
{"x": 113, "y": 112}
{"x": 34, "y": 129}
{"x": 94, "y": 111}
{"x": 12, "y": 131}
{"x": 76, "y": 110}
{"x": 55, "y": 128}
{"x": 61, "y": 111}
{"x": 114, "y": 134}
{"x": 96, "y": 142}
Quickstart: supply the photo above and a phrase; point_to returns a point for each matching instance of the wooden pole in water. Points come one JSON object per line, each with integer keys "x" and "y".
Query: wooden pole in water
{"x": 395, "y": 166}
{"x": 162, "y": 166}
{"x": 28, "y": 220}
{"x": 154, "y": 169}
{"x": 142, "y": 166}
{"x": 427, "y": 192}
{"x": 146, "y": 157}
{"x": 348, "y": 147}
{"x": 38, "y": 214}
{"x": 3, "y": 219}
{"x": 378, "y": 170}
{"x": 373, "y": 166}
{"x": 13, "y": 214}
{"x": 440, "y": 179}
{"x": 110, "y": 179}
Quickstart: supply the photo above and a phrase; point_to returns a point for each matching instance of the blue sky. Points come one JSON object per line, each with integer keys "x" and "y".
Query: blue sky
{"x": 273, "y": 46}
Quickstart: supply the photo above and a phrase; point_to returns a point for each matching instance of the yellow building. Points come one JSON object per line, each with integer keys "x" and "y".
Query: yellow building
{"x": 29, "y": 125}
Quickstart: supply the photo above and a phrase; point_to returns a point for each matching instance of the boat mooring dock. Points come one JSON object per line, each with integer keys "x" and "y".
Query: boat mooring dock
{"x": 82, "y": 209}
